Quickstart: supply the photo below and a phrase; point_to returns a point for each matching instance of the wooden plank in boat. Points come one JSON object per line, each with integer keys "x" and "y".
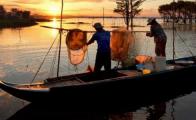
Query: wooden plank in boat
{"x": 171, "y": 66}
{"x": 134, "y": 73}
{"x": 65, "y": 82}
{"x": 184, "y": 62}
{"x": 131, "y": 73}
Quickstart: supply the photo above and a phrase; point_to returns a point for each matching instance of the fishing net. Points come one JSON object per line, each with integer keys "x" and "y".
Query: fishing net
{"x": 121, "y": 39}
{"x": 76, "y": 45}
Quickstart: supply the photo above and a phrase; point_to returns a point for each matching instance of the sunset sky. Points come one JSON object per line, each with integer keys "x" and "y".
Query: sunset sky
{"x": 78, "y": 7}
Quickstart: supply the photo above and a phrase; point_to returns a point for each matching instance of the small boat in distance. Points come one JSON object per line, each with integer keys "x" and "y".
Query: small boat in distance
{"x": 76, "y": 23}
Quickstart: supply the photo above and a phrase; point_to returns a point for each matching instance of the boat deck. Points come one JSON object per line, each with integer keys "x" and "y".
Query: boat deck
{"x": 85, "y": 78}
{"x": 77, "y": 80}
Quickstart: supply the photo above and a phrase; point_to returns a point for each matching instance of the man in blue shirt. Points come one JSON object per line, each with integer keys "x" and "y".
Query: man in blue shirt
{"x": 103, "y": 57}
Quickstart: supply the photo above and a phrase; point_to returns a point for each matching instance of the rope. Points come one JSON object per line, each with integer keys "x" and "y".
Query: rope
{"x": 185, "y": 44}
{"x": 88, "y": 59}
{"x": 54, "y": 59}
{"x": 60, "y": 32}
{"x": 174, "y": 49}
{"x": 42, "y": 62}
{"x": 146, "y": 51}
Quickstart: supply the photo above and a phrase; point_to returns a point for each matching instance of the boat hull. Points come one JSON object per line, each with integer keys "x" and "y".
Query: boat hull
{"x": 113, "y": 92}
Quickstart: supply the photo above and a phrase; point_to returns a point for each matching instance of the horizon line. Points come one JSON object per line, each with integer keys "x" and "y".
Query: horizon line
{"x": 48, "y": 16}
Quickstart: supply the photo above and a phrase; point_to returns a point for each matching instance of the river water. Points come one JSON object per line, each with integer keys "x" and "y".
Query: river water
{"x": 22, "y": 51}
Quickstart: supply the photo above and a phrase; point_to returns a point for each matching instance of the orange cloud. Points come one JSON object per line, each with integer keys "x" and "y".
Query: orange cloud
{"x": 80, "y": 0}
{"x": 26, "y": 1}
{"x": 149, "y": 12}
{"x": 78, "y": 7}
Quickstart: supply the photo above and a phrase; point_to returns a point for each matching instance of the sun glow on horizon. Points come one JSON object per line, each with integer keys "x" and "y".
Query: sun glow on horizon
{"x": 54, "y": 32}
{"x": 79, "y": 8}
{"x": 53, "y": 9}
{"x": 54, "y": 22}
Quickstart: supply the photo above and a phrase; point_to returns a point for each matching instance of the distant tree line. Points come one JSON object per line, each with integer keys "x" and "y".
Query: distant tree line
{"x": 15, "y": 18}
{"x": 14, "y": 13}
{"x": 128, "y": 9}
{"x": 181, "y": 11}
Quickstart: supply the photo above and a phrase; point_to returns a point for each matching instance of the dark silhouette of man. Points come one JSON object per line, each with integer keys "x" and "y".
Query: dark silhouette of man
{"x": 103, "y": 57}
{"x": 159, "y": 35}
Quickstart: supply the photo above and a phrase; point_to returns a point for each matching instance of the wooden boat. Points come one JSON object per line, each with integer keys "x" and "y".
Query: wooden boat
{"x": 115, "y": 87}
{"x": 109, "y": 87}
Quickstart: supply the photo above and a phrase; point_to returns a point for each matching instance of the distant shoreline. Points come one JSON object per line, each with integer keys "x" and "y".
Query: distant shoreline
{"x": 42, "y": 20}
{"x": 15, "y": 23}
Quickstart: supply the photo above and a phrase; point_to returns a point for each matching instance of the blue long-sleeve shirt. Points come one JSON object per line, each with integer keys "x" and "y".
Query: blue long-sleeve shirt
{"x": 103, "y": 41}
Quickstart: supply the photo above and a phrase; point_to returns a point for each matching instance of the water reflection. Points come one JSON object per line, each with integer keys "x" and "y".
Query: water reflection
{"x": 55, "y": 24}
{"x": 180, "y": 27}
{"x": 121, "y": 116}
{"x": 156, "y": 111}
{"x": 22, "y": 52}
{"x": 33, "y": 112}
{"x": 173, "y": 102}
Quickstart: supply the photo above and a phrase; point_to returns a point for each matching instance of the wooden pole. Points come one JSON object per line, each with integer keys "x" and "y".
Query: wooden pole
{"x": 173, "y": 26}
{"x": 127, "y": 14}
{"x": 131, "y": 15}
{"x": 60, "y": 32}
{"x": 103, "y": 16}
{"x": 195, "y": 11}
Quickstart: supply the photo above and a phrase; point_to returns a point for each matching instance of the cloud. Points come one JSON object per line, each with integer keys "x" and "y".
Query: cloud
{"x": 78, "y": 0}
{"x": 78, "y": 10}
{"x": 41, "y": 1}
{"x": 70, "y": 6}
{"x": 36, "y": 2}
{"x": 27, "y": 1}
{"x": 11, "y": 6}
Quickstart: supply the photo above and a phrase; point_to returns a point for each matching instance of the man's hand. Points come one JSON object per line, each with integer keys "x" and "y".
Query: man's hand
{"x": 148, "y": 34}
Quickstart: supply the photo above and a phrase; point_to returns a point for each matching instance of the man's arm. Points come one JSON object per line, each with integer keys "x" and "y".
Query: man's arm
{"x": 151, "y": 33}
{"x": 91, "y": 40}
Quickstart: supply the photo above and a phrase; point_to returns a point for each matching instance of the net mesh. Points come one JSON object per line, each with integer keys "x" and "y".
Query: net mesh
{"x": 76, "y": 45}
{"x": 121, "y": 39}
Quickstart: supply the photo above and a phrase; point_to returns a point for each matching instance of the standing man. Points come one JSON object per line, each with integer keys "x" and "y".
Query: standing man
{"x": 159, "y": 35}
{"x": 103, "y": 57}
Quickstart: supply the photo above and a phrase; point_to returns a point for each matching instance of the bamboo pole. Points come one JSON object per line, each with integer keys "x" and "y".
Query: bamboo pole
{"x": 173, "y": 26}
{"x": 60, "y": 32}
{"x": 131, "y": 15}
{"x": 127, "y": 14}
{"x": 103, "y": 16}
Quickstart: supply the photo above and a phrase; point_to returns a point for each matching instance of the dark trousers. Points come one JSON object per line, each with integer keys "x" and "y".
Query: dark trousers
{"x": 160, "y": 47}
{"x": 103, "y": 59}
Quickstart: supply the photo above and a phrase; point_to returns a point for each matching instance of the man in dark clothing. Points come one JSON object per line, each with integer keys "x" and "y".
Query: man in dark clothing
{"x": 159, "y": 35}
{"x": 103, "y": 57}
